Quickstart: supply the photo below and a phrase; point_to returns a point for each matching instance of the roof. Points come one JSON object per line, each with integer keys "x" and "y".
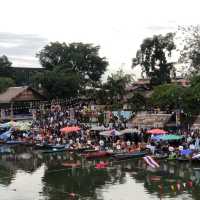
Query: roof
{"x": 12, "y": 92}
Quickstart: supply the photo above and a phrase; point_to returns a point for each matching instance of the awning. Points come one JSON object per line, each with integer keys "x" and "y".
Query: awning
{"x": 70, "y": 129}
{"x": 156, "y": 131}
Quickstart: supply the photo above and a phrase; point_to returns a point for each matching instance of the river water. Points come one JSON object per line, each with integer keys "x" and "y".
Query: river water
{"x": 32, "y": 175}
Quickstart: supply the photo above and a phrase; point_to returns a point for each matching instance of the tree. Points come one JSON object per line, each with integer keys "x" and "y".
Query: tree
{"x": 5, "y": 83}
{"x": 80, "y": 58}
{"x": 5, "y": 67}
{"x": 168, "y": 96}
{"x": 58, "y": 85}
{"x": 116, "y": 86}
{"x": 153, "y": 57}
{"x": 190, "y": 48}
{"x": 191, "y": 98}
{"x": 137, "y": 102}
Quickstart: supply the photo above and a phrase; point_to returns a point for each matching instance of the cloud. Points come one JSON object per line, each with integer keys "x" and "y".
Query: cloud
{"x": 20, "y": 47}
{"x": 160, "y": 28}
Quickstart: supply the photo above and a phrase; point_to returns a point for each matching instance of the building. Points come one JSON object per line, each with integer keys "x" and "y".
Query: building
{"x": 23, "y": 75}
{"x": 19, "y": 100}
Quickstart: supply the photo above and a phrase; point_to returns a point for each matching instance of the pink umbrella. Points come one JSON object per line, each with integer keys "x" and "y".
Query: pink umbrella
{"x": 156, "y": 131}
{"x": 70, "y": 129}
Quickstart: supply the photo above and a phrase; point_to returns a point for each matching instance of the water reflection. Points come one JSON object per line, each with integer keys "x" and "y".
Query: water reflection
{"x": 29, "y": 174}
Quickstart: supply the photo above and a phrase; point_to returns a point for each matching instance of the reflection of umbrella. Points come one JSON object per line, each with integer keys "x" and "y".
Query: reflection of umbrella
{"x": 156, "y": 131}
{"x": 99, "y": 128}
{"x": 70, "y": 129}
{"x": 129, "y": 130}
{"x": 110, "y": 133}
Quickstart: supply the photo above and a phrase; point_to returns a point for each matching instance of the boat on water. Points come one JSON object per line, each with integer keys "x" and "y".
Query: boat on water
{"x": 98, "y": 154}
{"x": 54, "y": 150}
{"x": 49, "y": 146}
{"x": 14, "y": 142}
{"x": 182, "y": 159}
{"x": 71, "y": 165}
{"x": 160, "y": 156}
{"x": 123, "y": 156}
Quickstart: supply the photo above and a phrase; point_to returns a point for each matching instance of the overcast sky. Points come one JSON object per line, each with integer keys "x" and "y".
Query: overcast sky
{"x": 118, "y": 26}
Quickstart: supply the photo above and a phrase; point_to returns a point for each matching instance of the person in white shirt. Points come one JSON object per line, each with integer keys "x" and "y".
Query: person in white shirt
{"x": 101, "y": 143}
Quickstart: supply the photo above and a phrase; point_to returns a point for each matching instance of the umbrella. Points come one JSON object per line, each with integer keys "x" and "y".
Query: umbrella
{"x": 110, "y": 133}
{"x": 70, "y": 129}
{"x": 167, "y": 137}
{"x": 99, "y": 128}
{"x": 23, "y": 126}
{"x": 4, "y": 136}
{"x": 186, "y": 152}
{"x": 8, "y": 124}
{"x": 156, "y": 131}
{"x": 129, "y": 130}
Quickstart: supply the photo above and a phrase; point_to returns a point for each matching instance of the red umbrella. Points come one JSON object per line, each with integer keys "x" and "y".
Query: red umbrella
{"x": 70, "y": 129}
{"x": 156, "y": 131}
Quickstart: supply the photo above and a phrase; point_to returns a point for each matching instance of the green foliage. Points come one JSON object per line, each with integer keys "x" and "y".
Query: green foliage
{"x": 191, "y": 97}
{"x": 137, "y": 102}
{"x": 116, "y": 85}
{"x": 80, "y": 58}
{"x": 153, "y": 58}
{"x": 5, "y": 83}
{"x": 168, "y": 96}
{"x": 5, "y": 67}
{"x": 57, "y": 84}
{"x": 190, "y": 49}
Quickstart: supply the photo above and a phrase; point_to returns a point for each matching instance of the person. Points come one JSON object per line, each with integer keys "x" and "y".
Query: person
{"x": 101, "y": 143}
{"x": 118, "y": 147}
{"x": 197, "y": 143}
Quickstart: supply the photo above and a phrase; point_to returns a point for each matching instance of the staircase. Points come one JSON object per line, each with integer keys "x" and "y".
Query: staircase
{"x": 146, "y": 120}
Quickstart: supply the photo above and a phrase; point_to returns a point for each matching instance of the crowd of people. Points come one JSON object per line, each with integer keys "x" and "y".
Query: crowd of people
{"x": 47, "y": 125}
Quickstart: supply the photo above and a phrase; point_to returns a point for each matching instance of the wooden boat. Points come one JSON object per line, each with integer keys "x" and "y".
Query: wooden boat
{"x": 48, "y": 146}
{"x": 123, "y": 156}
{"x": 41, "y": 146}
{"x": 54, "y": 150}
{"x": 160, "y": 157}
{"x": 71, "y": 165}
{"x": 58, "y": 146}
{"x": 183, "y": 159}
{"x": 83, "y": 150}
{"x": 98, "y": 154}
{"x": 13, "y": 142}
{"x": 90, "y": 151}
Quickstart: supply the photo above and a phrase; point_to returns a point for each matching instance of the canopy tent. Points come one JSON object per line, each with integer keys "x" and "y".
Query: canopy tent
{"x": 70, "y": 129}
{"x": 4, "y": 136}
{"x": 99, "y": 128}
{"x": 156, "y": 131}
{"x": 110, "y": 133}
{"x": 8, "y": 124}
{"x": 167, "y": 137}
{"x": 186, "y": 152}
{"x": 21, "y": 125}
{"x": 129, "y": 130}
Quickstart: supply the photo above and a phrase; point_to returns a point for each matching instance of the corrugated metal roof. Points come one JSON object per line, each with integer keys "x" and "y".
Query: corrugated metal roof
{"x": 11, "y": 93}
